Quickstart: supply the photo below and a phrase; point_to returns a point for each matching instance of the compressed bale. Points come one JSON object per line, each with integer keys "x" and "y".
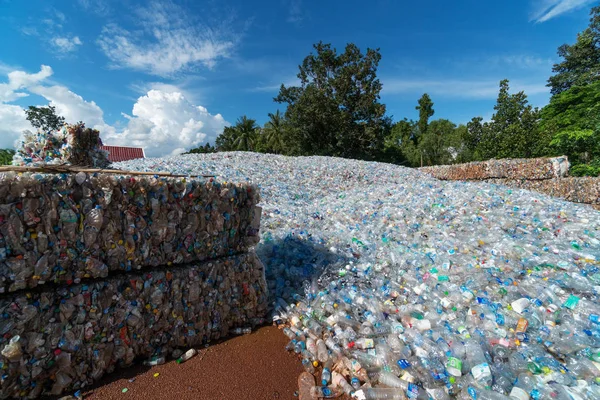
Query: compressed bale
{"x": 575, "y": 189}
{"x": 62, "y": 340}
{"x": 63, "y": 228}
{"x": 527, "y": 168}
{"x": 71, "y": 144}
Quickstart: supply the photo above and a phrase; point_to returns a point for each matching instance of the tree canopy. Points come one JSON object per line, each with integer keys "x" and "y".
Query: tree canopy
{"x": 336, "y": 110}
{"x": 581, "y": 60}
{"x": 44, "y": 118}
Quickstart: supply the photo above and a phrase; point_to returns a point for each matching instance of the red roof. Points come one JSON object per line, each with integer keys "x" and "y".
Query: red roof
{"x": 120, "y": 153}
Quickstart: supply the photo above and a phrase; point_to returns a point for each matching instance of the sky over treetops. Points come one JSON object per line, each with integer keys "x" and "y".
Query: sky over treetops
{"x": 170, "y": 75}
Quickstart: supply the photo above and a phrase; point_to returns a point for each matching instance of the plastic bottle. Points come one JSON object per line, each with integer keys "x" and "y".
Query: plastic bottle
{"x": 325, "y": 392}
{"x": 186, "y": 356}
{"x": 341, "y": 382}
{"x": 326, "y": 372}
{"x": 479, "y": 366}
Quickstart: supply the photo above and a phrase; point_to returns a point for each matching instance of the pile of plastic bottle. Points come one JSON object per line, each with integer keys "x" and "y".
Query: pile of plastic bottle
{"x": 396, "y": 285}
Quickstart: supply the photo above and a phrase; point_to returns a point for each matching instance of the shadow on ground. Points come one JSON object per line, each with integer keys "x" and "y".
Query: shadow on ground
{"x": 294, "y": 264}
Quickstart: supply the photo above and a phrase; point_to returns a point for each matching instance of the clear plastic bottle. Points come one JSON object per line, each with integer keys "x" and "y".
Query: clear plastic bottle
{"x": 186, "y": 356}
{"x": 478, "y": 363}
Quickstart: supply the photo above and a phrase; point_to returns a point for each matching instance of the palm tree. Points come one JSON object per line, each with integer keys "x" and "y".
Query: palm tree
{"x": 274, "y": 130}
{"x": 246, "y": 131}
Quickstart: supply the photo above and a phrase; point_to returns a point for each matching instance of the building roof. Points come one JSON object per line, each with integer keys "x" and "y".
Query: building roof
{"x": 122, "y": 153}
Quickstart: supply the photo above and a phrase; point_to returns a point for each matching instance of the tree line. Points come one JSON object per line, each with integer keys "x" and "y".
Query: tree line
{"x": 336, "y": 111}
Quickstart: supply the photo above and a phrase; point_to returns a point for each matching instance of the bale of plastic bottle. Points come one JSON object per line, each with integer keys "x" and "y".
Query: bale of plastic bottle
{"x": 525, "y": 168}
{"x": 70, "y": 145}
{"x": 65, "y": 228}
{"x": 64, "y": 339}
{"x": 575, "y": 189}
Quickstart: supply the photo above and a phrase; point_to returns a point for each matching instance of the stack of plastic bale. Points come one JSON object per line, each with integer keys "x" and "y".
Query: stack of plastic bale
{"x": 544, "y": 175}
{"x": 123, "y": 267}
{"x": 575, "y": 189}
{"x": 525, "y": 168}
{"x": 70, "y": 145}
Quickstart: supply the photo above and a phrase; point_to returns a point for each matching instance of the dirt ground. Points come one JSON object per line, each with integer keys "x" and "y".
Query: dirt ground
{"x": 253, "y": 367}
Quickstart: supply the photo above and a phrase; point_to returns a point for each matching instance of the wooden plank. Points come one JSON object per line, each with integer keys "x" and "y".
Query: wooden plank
{"x": 61, "y": 168}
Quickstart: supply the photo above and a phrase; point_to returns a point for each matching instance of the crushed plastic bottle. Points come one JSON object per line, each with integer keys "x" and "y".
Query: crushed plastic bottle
{"x": 66, "y": 228}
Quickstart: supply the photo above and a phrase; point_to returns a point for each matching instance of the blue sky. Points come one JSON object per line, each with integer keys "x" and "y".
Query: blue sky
{"x": 169, "y": 75}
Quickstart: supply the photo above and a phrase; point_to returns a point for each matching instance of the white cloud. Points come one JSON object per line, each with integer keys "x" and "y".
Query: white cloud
{"x": 12, "y": 123}
{"x": 99, "y": 7}
{"x": 458, "y": 88}
{"x": 521, "y": 61}
{"x": 167, "y": 123}
{"x": 65, "y": 44}
{"x": 545, "y": 10}
{"x": 145, "y": 87}
{"x": 19, "y": 80}
{"x": 163, "y": 121}
{"x": 73, "y": 107}
{"x": 274, "y": 87}
{"x": 169, "y": 42}
{"x": 29, "y": 31}
{"x": 295, "y": 11}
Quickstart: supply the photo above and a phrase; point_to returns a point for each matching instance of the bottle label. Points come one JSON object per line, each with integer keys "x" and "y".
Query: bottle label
{"x": 519, "y": 393}
{"x": 369, "y": 344}
{"x": 522, "y": 325}
{"x": 472, "y": 392}
{"x": 481, "y": 371}
{"x": 445, "y": 303}
{"x": 500, "y": 319}
{"x": 571, "y": 302}
{"x": 403, "y": 363}
{"x": 413, "y": 391}
{"x": 594, "y": 318}
{"x": 454, "y": 366}
{"x": 408, "y": 377}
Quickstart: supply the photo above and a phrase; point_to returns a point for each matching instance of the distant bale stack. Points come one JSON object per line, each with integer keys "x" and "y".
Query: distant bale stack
{"x": 70, "y": 145}
{"x": 544, "y": 175}
{"x": 575, "y": 189}
{"x": 524, "y": 168}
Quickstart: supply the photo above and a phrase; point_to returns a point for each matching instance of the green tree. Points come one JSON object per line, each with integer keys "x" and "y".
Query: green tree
{"x": 572, "y": 121}
{"x": 472, "y": 138}
{"x": 275, "y": 131}
{"x": 436, "y": 144}
{"x": 459, "y": 150}
{"x": 207, "y": 148}
{"x": 246, "y": 132}
{"x": 513, "y": 130}
{"x": 225, "y": 141}
{"x": 6, "y": 156}
{"x": 336, "y": 110}
{"x": 44, "y": 118}
{"x": 399, "y": 146}
{"x": 581, "y": 60}
{"x": 426, "y": 111}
